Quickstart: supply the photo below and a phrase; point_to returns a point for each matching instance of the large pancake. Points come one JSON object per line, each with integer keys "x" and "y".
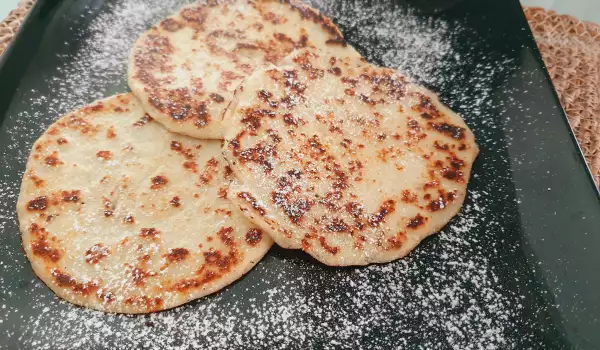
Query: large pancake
{"x": 120, "y": 215}
{"x": 184, "y": 69}
{"x": 345, "y": 160}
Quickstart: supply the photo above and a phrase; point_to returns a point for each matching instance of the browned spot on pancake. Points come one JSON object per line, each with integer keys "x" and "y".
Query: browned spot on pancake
{"x": 175, "y": 202}
{"x": 456, "y": 163}
{"x": 408, "y": 197}
{"x": 110, "y": 133}
{"x": 252, "y": 201}
{"x": 330, "y": 249}
{"x": 38, "y": 204}
{"x": 355, "y": 209}
{"x": 79, "y": 124}
{"x": 106, "y": 296}
{"x": 416, "y": 221}
{"x": 442, "y": 201}
{"x": 335, "y": 71}
{"x": 147, "y": 302}
{"x": 170, "y": 25}
{"x": 139, "y": 276}
{"x": 129, "y": 219}
{"x": 38, "y": 182}
{"x": 143, "y": 121}
{"x": 70, "y": 196}
{"x": 149, "y": 232}
{"x": 425, "y": 107}
{"x": 106, "y": 155}
{"x": 223, "y": 212}
{"x": 453, "y": 131}
{"x": 193, "y": 283}
{"x": 368, "y": 100}
{"x": 96, "y": 253}
{"x": 66, "y": 281}
{"x": 413, "y": 124}
{"x": 210, "y": 170}
{"x": 227, "y": 78}
{"x": 253, "y": 236}
{"x": 304, "y": 63}
{"x": 388, "y": 207}
{"x": 40, "y": 246}
{"x": 191, "y": 166}
{"x": 265, "y": 96}
{"x": 396, "y": 241}
{"x": 350, "y": 81}
{"x": 217, "y": 98}
{"x": 222, "y": 192}
{"x": 273, "y": 18}
{"x": 336, "y": 41}
{"x": 307, "y": 12}
{"x": 252, "y": 117}
{"x": 194, "y": 15}
{"x": 93, "y": 108}
{"x": 260, "y": 154}
{"x": 202, "y": 117}
{"x": 337, "y": 225}
{"x": 430, "y": 184}
{"x": 52, "y": 160}
{"x": 441, "y": 146}
{"x": 294, "y": 208}
{"x": 216, "y": 258}
{"x": 225, "y": 236}
{"x": 158, "y": 182}
{"x": 305, "y": 243}
{"x": 350, "y": 92}
{"x": 177, "y": 254}
{"x": 291, "y": 120}
{"x": 108, "y": 213}
{"x": 453, "y": 174}
{"x": 178, "y": 147}
{"x": 61, "y": 141}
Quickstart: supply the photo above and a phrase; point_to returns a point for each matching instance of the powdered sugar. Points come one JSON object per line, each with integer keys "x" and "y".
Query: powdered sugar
{"x": 447, "y": 294}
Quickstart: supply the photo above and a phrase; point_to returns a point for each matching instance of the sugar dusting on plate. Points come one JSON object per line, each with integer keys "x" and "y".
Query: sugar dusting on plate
{"x": 444, "y": 295}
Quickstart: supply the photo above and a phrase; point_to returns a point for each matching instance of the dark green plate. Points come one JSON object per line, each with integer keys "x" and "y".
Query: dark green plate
{"x": 518, "y": 268}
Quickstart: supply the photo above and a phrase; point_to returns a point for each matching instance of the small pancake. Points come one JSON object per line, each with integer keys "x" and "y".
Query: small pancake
{"x": 185, "y": 69}
{"x": 118, "y": 214}
{"x": 348, "y": 161}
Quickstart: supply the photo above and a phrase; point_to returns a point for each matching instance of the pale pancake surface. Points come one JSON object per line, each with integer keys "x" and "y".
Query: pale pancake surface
{"x": 185, "y": 69}
{"x": 348, "y": 161}
{"x": 120, "y": 215}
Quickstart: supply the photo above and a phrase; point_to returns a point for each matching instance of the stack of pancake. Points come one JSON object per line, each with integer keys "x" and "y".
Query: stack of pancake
{"x": 249, "y": 122}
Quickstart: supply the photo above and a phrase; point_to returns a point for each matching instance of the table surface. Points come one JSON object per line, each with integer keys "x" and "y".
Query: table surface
{"x": 583, "y": 9}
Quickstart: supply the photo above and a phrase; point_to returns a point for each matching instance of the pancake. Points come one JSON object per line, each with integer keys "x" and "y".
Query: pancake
{"x": 184, "y": 69}
{"x": 118, "y": 214}
{"x": 348, "y": 161}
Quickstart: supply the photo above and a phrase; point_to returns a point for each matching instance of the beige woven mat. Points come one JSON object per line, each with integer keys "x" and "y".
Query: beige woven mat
{"x": 10, "y": 25}
{"x": 571, "y": 51}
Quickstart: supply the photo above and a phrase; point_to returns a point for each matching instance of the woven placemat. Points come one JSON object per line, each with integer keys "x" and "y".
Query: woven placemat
{"x": 10, "y": 25}
{"x": 571, "y": 51}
